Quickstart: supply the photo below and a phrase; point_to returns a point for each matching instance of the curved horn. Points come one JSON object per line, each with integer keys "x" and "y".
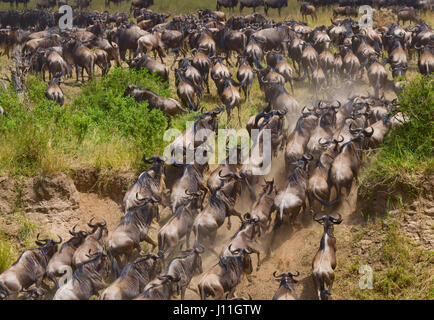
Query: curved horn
{"x": 60, "y": 240}
{"x": 336, "y": 221}
{"x": 295, "y": 275}
{"x": 323, "y": 143}
{"x": 72, "y": 231}
{"x": 90, "y": 223}
{"x": 339, "y": 141}
{"x": 279, "y": 276}
{"x": 352, "y": 130}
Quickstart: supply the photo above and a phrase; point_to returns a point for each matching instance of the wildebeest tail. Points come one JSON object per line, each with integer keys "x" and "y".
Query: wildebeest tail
{"x": 325, "y": 203}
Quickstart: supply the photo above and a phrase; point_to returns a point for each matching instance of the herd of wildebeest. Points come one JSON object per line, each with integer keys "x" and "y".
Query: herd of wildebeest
{"x": 322, "y": 151}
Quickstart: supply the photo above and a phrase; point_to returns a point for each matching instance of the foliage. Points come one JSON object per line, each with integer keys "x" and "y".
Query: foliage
{"x": 100, "y": 128}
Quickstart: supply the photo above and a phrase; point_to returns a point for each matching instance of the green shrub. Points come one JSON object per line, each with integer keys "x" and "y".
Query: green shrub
{"x": 5, "y": 253}
{"x": 100, "y": 128}
{"x": 406, "y": 154}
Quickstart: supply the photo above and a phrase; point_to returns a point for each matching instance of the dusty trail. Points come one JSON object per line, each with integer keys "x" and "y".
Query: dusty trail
{"x": 293, "y": 249}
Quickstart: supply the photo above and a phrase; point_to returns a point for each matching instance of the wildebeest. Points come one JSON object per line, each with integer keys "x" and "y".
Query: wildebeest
{"x": 150, "y": 183}
{"x": 133, "y": 279}
{"x": 185, "y": 267}
{"x": 153, "y": 66}
{"x": 79, "y": 55}
{"x": 291, "y": 200}
{"x": 251, "y": 4}
{"x": 225, "y": 275}
{"x": 275, "y": 4}
{"x": 92, "y": 244}
{"x": 244, "y": 238}
{"x": 324, "y": 262}
{"x": 190, "y": 182}
{"x": 231, "y": 4}
{"x": 29, "y": 269}
{"x": 61, "y": 261}
{"x": 54, "y": 92}
{"x": 264, "y": 205}
{"x": 87, "y": 280}
{"x": 308, "y": 10}
{"x": 170, "y": 107}
{"x": 220, "y": 206}
{"x": 178, "y": 226}
{"x": 161, "y": 288}
{"x": 286, "y": 289}
{"x": 132, "y": 230}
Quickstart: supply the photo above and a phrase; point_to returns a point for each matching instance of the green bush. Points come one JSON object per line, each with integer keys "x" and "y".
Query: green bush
{"x": 406, "y": 154}
{"x": 5, "y": 253}
{"x": 100, "y": 128}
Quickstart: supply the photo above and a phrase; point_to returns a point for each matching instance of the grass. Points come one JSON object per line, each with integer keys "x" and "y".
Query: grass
{"x": 406, "y": 155}
{"x": 401, "y": 269}
{"x": 6, "y": 253}
{"x": 98, "y": 128}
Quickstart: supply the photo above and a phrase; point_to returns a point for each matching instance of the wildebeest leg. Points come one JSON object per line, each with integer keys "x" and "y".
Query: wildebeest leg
{"x": 316, "y": 280}
{"x": 259, "y": 258}
{"x": 53, "y": 278}
{"x": 239, "y": 114}
{"x": 330, "y": 279}
{"x": 150, "y": 241}
{"x": 228, "y": 111}
{"x": 230, "y": 294}
{"x": 77, "y": 70}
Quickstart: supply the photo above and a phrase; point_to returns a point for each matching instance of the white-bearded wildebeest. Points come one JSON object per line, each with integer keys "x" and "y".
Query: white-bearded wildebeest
{"x": 324, "y": 262}
{"x": 264, "y": 205}
{"x": 54, "y": 92}
{"x": 93, "y": 243}
{"x": 345, "y": 166}
{"x": 275, "y": 4}
{"x": 88, "y": 279}
{"x": 195, "y": 136}
{"x": 286, "y": 289}
{"x": 318, "y": 186}
{"x": 29, "y": 269}
{"x": 231, "y": 4}
{"x": 251, "y": 4}
{"x": 298, "y": 139}
{"x": 133, "y": 279}
{"x": 61, "y": 261}
{"x": 153, "y": 66}
{"x": 132, "y": 230}
{"x": 178, "y": 226}
{"x": 185, "y": 267}
{"x": 79, "y": 55}
{"x": 161, "y": 288}
{"x": 191, "y": 181}
{"x": 150, "y": 183}
{"x": 220, "y": 206}
{"x": 226, "y": 275}
{"x": 291, "y": 200}
{"x": 244, "y": 238}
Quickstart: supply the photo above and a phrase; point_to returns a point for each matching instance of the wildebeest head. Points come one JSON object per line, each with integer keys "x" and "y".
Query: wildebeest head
{"x": 101, "y": 226}
{"x": 328, "y": 222}
{"x": 286, "y": 279}
{"x": 244, "y": 255}
{"x": 48, "y": 245}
